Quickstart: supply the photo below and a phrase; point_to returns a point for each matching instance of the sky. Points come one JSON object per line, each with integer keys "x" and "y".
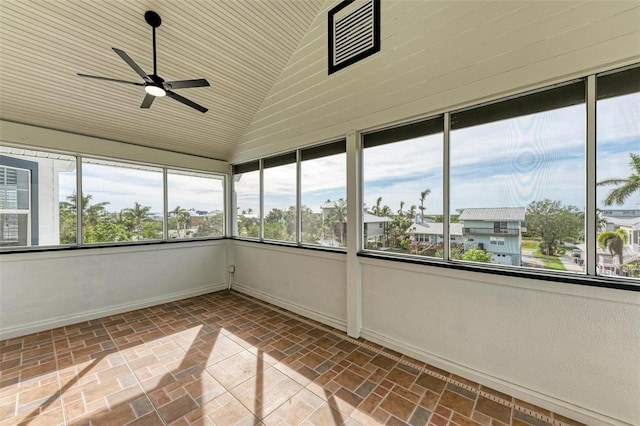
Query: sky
{"x": 507, "y": 163}
{"x": 122, "y": 187}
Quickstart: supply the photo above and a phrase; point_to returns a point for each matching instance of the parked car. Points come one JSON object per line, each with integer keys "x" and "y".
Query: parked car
{"x": 576, "y": 252}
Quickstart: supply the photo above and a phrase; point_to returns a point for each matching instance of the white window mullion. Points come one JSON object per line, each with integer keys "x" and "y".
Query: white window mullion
{"x": 446, "y": 237}
{"x": 590, "y": 211}
{"x": 79, "y": 239}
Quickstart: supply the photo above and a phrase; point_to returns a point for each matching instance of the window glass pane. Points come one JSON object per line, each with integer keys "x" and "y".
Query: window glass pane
{"x": 196, "y": 204}
{"x": 517, "y": 185}
{"x": 403, "y": 194}
{"x": 15, "y": 230}
{"x": 121, "y": 202}
{"x": 618, "y": 175}
{"x": 323, "y": 194}
{"x": 246, "y": 193}
{"x": 35, "y": 189}
{"x": 280, "y": 202}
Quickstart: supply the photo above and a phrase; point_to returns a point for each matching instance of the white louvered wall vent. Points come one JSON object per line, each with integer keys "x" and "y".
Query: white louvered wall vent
{"x": 354, "y": 32}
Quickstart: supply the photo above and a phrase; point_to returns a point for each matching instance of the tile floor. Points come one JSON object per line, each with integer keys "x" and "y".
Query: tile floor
{"x": 228, "y": 359}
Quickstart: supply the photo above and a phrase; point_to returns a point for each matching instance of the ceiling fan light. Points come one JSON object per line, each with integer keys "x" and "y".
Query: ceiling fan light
{"x": 155, "y": 90}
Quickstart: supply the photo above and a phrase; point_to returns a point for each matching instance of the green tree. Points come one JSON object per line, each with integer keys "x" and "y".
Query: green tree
{"x": 400, "y": 211}
{"x": 106, "y": 232}
{"x": 601, "y": 221}
{"x": 68, "y": 227}
{"x": 477, "y": 255}
{"x": 138, "y": 215}
{"x": 376, "y": 209}
{"x": 412, "y": 212}
{"x": 91, "y": 215}
{"x": 455, "y": 253}
{"x": 339, "y": 216}
{"x": 423, "y": 196}
{"x": 553, "y": 223}
{"x": 312, "y": 226}
{"x": 276, "y": 224}
{"x": 613, "y": 241}
{"x": 628, "y": 186}
{"x": 248, "y": 227}
{"x": 152, "y": 230}
{"x": 179, "y": 218}
{"x": 211, "y": 226}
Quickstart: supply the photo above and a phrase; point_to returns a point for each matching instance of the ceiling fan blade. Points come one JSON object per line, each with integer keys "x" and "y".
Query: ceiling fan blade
{"x": 132, "y": 64}
{"x": 111, "y": 79}
{"x": 147, "y": 101}
{"x": 185, "y": 84}
{"x": 186, "y": 101}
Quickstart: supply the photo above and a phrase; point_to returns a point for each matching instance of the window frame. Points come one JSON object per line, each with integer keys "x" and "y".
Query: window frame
{"x": 312, "y": 152}
{"x": 79, "y": 244}
{"x": 32, "y": 213}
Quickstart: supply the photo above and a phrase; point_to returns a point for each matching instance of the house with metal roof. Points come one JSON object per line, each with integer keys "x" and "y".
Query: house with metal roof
{"x": 495, "y": 230}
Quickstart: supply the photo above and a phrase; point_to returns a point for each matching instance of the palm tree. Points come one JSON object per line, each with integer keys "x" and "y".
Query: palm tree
{"x": 400, "y": 212}
{"x": 376, "y": 208}
{"x": 138, "y": 214}
{"x": 627, "y": 187}
{"x": 613, "y": 241}
{"x": 182, "y": 217}
{"x": 412, "y": 211}
{"x": 601, "y": 221}
{"x": 422, "y": 208}
{"x": 91, "y": 214}
{"x": 340, "y": 214}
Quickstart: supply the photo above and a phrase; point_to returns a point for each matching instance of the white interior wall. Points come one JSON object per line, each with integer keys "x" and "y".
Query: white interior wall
{"x": 437, "y": 56}
{"x": 571, "y": 348}
{"x": 309, "y": 282}
{"x": 44, "y": 290}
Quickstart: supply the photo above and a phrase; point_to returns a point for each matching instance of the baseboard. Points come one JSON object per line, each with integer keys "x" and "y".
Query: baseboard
{"x": 564, "y": 408}
{"x": 34, "y": 327}
{"x": 293, "y": 307}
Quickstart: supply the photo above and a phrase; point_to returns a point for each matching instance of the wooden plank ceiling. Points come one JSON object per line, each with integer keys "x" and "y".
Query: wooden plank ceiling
{"x": 239, "y": 46}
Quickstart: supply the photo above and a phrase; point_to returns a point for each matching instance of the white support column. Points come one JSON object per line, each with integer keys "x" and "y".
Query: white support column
{"x": 354, "y": 235}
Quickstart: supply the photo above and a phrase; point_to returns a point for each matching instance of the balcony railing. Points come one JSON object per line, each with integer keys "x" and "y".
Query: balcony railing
{"x": 490, "y": 231}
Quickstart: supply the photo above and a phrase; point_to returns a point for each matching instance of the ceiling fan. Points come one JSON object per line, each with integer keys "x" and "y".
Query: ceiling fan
{"x": 154, "y": 85}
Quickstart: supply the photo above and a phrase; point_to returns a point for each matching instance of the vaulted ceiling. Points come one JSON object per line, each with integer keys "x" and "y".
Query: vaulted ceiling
{"x": 239, "y": 46}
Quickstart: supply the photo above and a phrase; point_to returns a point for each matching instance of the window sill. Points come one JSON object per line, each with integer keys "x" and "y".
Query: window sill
{"x": 546, "y": 275}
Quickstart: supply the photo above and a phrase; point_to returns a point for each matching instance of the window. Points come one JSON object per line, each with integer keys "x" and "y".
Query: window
{"x": 15, "y": 206}
{"x": 280, "y": 210}
{"x": 246, "y": 199}
{"x": 517, "y": 165}
{"x": 35, "y": 188}
{"x": 196, "y": 203}
{"x": 403, "y": 189}
{"x": 618, "y": 174}
{"x": 500, "y": 227}
{"x": 323, "y": 180}
{"x": 121, "y": 202}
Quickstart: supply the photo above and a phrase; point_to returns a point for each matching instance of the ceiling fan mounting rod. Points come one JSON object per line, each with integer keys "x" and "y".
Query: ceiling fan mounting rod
{"x": 154, "y": 20}
{"x": 155, "y": 66}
